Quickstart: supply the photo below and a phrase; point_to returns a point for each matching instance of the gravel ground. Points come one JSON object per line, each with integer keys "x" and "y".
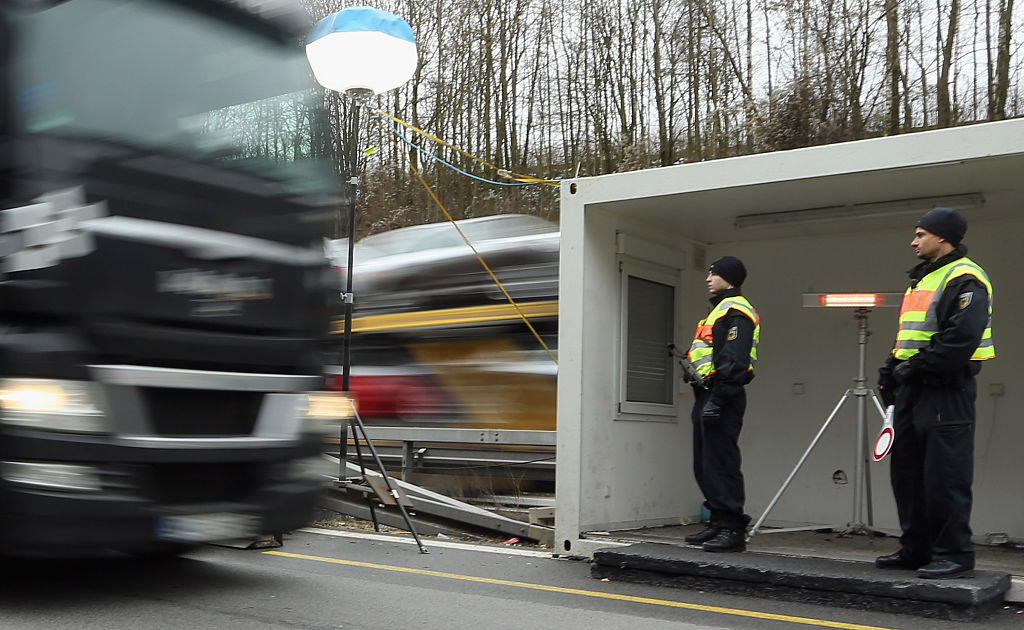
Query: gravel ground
{"x": 333, "y": 520}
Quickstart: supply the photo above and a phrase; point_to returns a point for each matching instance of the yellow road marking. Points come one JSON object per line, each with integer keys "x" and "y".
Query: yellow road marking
{"x": 575, "y": 591}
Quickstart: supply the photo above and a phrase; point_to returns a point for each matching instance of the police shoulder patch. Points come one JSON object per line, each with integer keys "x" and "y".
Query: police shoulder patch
{"x": 733, "y": 332}
{"x": 965, "y": 299}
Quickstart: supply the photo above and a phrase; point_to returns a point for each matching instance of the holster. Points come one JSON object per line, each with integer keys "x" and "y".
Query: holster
{"x": 958, "y": 378}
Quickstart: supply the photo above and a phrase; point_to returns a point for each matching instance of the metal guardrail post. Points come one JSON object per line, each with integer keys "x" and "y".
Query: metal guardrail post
{"x": 408, "y": 460}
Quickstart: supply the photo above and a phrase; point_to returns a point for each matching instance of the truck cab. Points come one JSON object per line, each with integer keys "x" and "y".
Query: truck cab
{"x": 164, "y": 296}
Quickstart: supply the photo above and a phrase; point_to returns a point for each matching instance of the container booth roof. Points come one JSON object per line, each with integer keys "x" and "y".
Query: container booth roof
{"x": 985, "y": 159}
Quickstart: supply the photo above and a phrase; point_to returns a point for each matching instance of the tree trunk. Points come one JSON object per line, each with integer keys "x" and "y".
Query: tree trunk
{"x": 892, "y": 67}
{"x": 945, "y": 108}
{"x": 1001, "y": 86}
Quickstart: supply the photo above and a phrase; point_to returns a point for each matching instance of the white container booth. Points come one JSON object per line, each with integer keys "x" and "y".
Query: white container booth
{"x": 839, "y": 218}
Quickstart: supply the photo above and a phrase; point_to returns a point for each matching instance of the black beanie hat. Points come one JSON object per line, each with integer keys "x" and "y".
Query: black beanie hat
{"x": 946, "y": 223}
{"x": 730, "y": 269}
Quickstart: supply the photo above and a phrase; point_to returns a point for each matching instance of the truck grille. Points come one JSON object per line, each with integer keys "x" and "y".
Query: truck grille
{"x": 207, "y": 413}
{"x": 177, "y": 484}
{"x": 143, "y": 343}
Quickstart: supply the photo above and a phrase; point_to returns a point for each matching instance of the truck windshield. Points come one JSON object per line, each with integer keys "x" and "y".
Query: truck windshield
{"x": 157, "y": 75}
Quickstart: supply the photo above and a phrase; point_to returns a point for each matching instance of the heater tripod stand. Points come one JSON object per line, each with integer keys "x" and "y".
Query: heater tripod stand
{"x": 862, "y": 476}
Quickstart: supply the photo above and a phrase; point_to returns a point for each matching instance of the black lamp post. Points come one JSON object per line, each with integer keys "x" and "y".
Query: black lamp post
{"x": 359, "y": 52}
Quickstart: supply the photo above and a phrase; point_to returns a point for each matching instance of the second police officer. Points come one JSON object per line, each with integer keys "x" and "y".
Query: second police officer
{"x": 723, "y": 351}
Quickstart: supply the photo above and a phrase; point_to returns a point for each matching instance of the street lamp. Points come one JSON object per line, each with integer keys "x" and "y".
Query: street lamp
{"x": 359, "y": 52}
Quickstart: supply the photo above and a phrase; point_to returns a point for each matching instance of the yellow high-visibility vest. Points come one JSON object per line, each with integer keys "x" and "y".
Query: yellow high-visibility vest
{"x": 702, "y": 347}
{"x": 919, "y": 319}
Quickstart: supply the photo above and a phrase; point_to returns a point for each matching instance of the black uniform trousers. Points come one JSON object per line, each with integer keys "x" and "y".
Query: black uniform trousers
{"x": 716, "y": 460}
{"x": 932, "y": 470}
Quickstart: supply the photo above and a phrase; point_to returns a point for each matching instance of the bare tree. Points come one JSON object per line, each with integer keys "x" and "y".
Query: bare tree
{"x": 999, "y": 85}
{"x": 942, "y": 87}
{"x": 893, "y": 73}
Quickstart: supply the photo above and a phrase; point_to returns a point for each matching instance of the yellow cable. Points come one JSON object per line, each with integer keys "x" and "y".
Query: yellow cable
{"x": 525, "y": 179}
{"x": 487, "y": 268}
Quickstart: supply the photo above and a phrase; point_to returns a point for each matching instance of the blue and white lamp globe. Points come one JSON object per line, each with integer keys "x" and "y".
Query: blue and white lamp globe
{"x": 362, "y": 49}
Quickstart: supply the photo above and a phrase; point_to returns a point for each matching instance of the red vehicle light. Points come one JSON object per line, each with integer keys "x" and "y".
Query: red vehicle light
{"x": 407, "y": 397}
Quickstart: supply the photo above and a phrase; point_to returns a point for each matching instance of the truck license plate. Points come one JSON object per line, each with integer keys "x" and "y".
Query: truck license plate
{"x": 207, "y": 527}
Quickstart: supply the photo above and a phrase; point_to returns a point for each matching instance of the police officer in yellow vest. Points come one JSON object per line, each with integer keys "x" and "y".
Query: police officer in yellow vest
{"x": 724, "y": 350}
{"x": 945, "y": 332}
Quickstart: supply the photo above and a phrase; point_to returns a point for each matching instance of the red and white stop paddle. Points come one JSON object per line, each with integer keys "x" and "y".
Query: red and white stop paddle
{"x": 885, "y": 437}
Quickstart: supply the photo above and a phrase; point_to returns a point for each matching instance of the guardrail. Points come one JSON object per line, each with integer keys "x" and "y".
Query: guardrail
{"x": 419, "y": 450}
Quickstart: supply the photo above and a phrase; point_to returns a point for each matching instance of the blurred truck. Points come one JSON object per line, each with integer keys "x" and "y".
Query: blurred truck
{"x": 165, "y": 300}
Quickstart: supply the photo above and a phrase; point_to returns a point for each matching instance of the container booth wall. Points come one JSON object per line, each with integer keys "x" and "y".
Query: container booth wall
{"x": 634, "y": 254}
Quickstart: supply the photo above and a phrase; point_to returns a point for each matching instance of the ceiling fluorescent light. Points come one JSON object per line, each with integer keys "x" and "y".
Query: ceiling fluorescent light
{"x": 918, "y": 205}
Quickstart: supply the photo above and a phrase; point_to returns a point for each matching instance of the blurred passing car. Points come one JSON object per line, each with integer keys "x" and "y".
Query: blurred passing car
{"x": 430, "y": 266}
{"x": 436, "y": 342}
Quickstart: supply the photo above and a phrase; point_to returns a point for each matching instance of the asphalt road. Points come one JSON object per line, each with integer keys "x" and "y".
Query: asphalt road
{"x": 359, "y": 580}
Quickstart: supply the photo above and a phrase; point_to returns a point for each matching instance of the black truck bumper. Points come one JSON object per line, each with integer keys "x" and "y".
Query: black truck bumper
{"x": 39, "y": 524}
{"x": 145, "y": 499}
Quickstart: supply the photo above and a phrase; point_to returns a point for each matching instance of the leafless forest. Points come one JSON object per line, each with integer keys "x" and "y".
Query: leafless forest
{"x": 556, "y": 88}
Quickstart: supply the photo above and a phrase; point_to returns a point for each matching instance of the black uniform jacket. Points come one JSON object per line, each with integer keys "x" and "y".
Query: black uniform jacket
{"x": 963, "y": 315}
{"x": 730, "y": 352}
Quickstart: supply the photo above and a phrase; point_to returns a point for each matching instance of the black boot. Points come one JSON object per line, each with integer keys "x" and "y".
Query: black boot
{"x": 899, "y": 560}
{"x": 727, "y": 540}
{"x": 703, "y": 536}
{"x": 945, "y": 569}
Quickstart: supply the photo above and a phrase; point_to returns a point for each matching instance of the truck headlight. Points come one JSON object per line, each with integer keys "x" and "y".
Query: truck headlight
{"x": 51, "y": 405}
{"x": 325, "y": 411}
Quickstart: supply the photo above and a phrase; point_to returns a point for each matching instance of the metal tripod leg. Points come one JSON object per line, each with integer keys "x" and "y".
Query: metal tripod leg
{"x": 789, "y": 479}
{"x": 362, "y": 473}
{"x": 392, "y": 490}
